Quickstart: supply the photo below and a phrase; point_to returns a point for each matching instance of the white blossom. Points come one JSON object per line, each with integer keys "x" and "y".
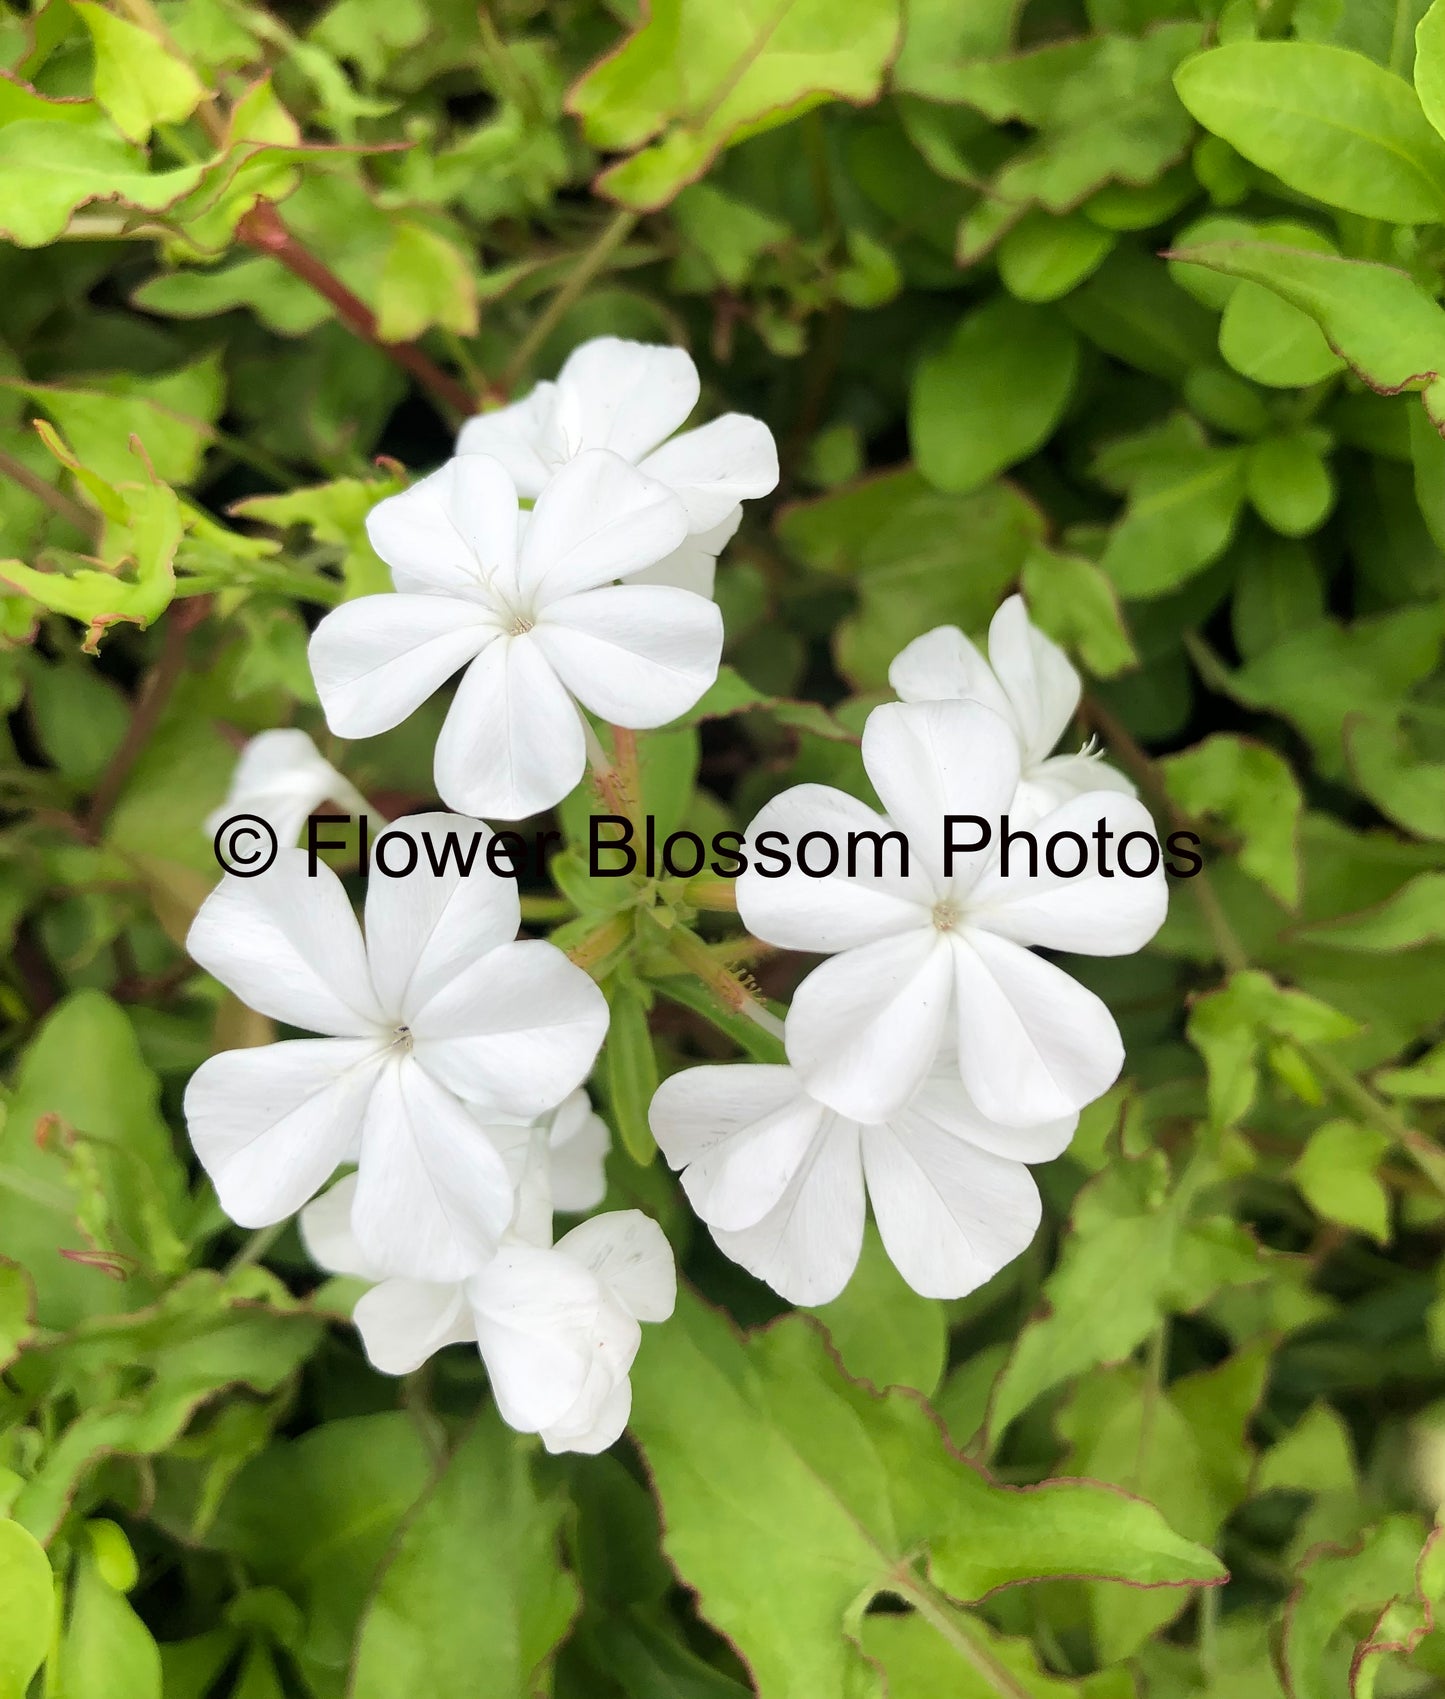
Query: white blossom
{"x": 1030, "y": 681}
{"x": 631, "y": 397}
{"x": 914, "y": 954}
{"x": 780, "y": 1179}
{"x": 439, "y": 1007}
{"x": 556, "y": 1325}
{"x": 533, "y": 614}
{"x": 577, "y": 1145}
{"x": 284, "y": 778}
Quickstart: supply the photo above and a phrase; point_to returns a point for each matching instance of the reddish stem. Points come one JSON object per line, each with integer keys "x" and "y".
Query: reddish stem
{"x": 262, "y": 228}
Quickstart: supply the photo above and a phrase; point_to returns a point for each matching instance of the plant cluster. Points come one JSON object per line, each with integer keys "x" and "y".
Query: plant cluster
{"x": 1072, "y": 447}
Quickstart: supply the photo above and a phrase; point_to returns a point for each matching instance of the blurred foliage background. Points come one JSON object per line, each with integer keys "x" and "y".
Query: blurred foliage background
{"x": 1132, "y": 303}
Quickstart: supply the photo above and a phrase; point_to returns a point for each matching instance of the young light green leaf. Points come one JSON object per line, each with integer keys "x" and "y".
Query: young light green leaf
{"x": 884, "y": 1332}
{"x": 1378, "y": 319}
{"x": 630, "y": 1068}
{"x": 1339, "y": 1175}
{"x": 1044, "y": 257}
{"x": 1251, "y": 788}
{"x": 48, "y": 170}
{"x": 138, "y": 81}
{"x": 1328, "y": 122}
{"x": 1289, "y": 484}
{"x": 425, "y": 281}
{"x": 1072, "y": 601}
{"x": 27, "y": 1608}
{"x": 993, "y": 395}
{"x": 1181, "y": 515}
{"x": 473, "y": 1601}
{"x": 107, "y": 1652}
{"x": 1430, "y": 65}
{"x": 694, "y": 77}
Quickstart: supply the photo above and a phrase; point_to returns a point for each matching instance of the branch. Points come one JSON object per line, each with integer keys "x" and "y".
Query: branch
{"x": 262, "y": 228}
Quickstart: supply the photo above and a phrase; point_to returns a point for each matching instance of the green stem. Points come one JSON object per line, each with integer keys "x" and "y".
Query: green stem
{"x": 255, "y": 1248}
{"x": 948, "y": 1622}
{"x": 605, "y": 244}
{"x": 1424, "y": 1152}
{"x": 542, "y": 909}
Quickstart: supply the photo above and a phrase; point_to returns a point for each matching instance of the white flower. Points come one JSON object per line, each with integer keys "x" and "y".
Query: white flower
{"x": 534, "y": 616}
{"x": 556, "y": 1325}
{"x": 779, "y": 1178}
{"x": 630, "y": 397}
{"x": 917, "y": 951}
{"x": 439, "y": 1007}
{"x": 1027, "y": 679}
{"x": 283, "y": 777}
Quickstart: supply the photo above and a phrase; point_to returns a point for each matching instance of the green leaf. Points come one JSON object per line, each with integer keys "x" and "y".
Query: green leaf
{"x": 1132, "y": 308}
{"x": 1376, "y": 318}
{"x": 83, "y": 1071}
{"x": 1044, "y": 257}
{"x": 49, "y": 170}
{"x": 1339, "y": 1175}
{"x": 1229, "y": 1026}
{"x": 766, "y": 1432}
{"x": 884, "y": 1332}
{"x": 1177, "y": 1257}
{"x": 1072, "y": 601}
{"x": 473, "y": 1602}
{"x": 1414, "y": 915}
{"x": 1251, "y": 788}
{"x": 27, "y": 1609}
{"x": 1329, "y": 123}
{"x": 1181, "y": 515}
{"x": 921, "y": 1665}
{"x": 694, "y": 78}
{"x": 137, "y": 81}
{"x": 993, "y": 396}
{"x": 334, "y": 513}
{"x": 425, "y": 281}
{"x": 1430, "y": 65}
{"x": 280, "y": 300}
{"x": 107, "y": 1652}
{"x": 1278, "y": 594}
{"x": 630, "y": 1068}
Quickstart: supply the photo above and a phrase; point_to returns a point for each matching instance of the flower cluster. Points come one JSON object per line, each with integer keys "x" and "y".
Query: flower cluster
{"x": 446, "y": 1078}
{"x": 933, "y": 1054}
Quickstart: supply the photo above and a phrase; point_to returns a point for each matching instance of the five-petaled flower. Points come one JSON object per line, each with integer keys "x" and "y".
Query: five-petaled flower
{"x": 780, "y": 1178}
{"x": 1031, "y": 683}
{"x": 282, "y": 776}
{"x": 528, "y": 604}
{"x": 439, "y": 1007}
{"x": 630, "y": 397}
{"x": 930, "y": 953}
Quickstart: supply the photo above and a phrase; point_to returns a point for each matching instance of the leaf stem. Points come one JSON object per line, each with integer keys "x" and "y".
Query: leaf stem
{"x": 604, "y": 245}
{"x": 61, "y": 505}
{"x": 1423, "y": 1151}
{"x": 945, "y": 1619}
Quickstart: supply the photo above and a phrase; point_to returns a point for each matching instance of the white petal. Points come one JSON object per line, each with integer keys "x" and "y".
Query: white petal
{"x": 403, "y": 1322}
{"x": 630, "y": 1255}
{"x": 942, "y": 1101}
{"x": 945, "y": 666}
{"x": 807, "y": 1246}
{"x": 1033, "y": 1044}
{"x": 433, "y": 1196}
{"x": 325, "y": 1228}
{"x": 271, "y": 1125}
{"x": 1095, "y": 913}
{"x": 835, "y": 912}
{"x": 579, "y": 1141}
{"x": 950, "y": 1215}
{"x": 637, "y": 655}
{"x": 628, "y": 395}
{"x": 283, "y": 777}
{"x": 512, "y": 742}
{"x": 739, "y": 1133}
{"x": 288, "y": 945}
{"x": 928, "y": 760}
{"x": 864, "y": 1027}
{"x": 523, "y": 437}
{"x": 601, "y": 1427}
{"x": 1047, "y": 784}
{"x": 597, "y": 520}
{"x": 414, "y": 534}
{"x": 535, "y": 1313}
{"x": 423, "y": 928}
{"x": 516, "y": 1032}
{"x": 717, "y": 466}
{"x": 1038, "y": 676}
{"x": 480, "y": 498}
{"x": 377, "y": 659}
{"x": 692, "y": 565}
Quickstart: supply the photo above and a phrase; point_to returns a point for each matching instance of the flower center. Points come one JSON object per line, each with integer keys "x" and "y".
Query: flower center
{"x": 946, "y": 914}
{"x": 402, "y": 1039}
{"x": 520, "y": 626}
